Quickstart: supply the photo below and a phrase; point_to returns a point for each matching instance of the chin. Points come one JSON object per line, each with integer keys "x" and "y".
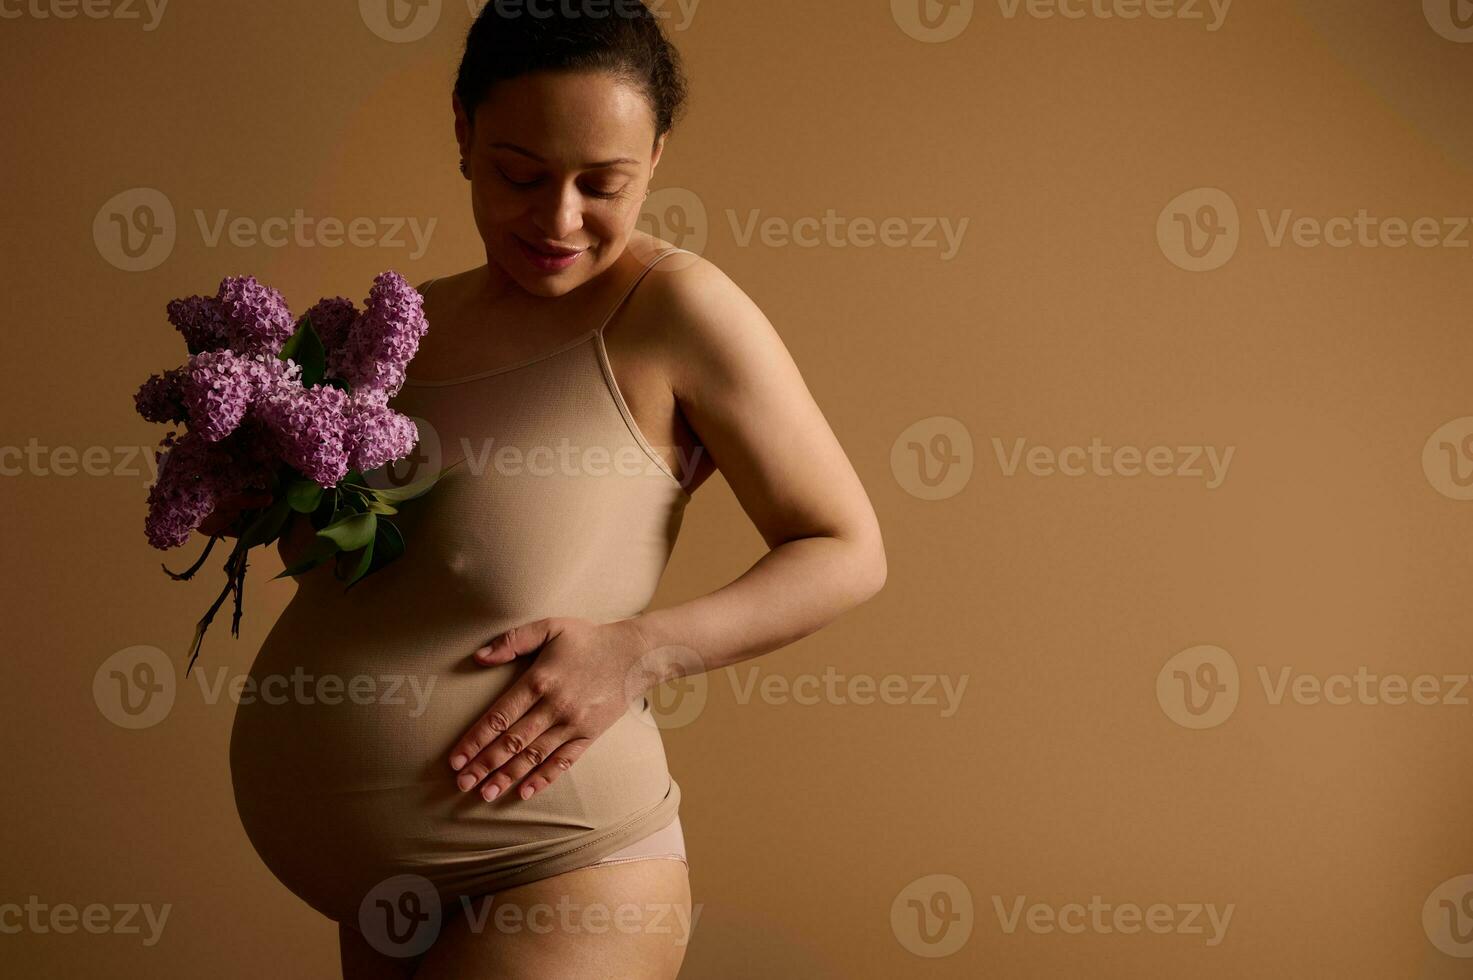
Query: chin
{"x": 548, "y": 284}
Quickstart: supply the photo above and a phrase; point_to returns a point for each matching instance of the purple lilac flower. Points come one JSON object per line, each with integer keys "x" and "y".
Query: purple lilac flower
{"x": 308, "y": 427}
{"x": 246, "y": 456}
{"x": 219, "y": 389}
{"x": 201, "y": 321}
{"x": 332, "y": 319}
{"x": 184, "y": 493}
{"x": 194, "y": 474}
{"x": 383, "y": 338}
{"x": 376, "y": 434}
{"x": 257, "y": 319}
{"x": 161, "y": 397}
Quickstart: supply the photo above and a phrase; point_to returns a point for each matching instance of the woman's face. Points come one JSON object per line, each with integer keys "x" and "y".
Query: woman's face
{"x": 559, "y": 163}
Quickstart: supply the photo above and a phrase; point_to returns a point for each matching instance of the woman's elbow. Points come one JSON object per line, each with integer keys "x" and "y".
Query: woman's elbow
{"x": 871, "y": 569}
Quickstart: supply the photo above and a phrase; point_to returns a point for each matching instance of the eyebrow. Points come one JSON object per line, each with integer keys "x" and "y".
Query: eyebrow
{"x": 587, "y": 166}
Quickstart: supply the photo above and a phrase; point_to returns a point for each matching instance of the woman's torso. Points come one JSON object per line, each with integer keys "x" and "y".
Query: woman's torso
{"x": 562, "y": 507}
{"x": 466, "y": 339}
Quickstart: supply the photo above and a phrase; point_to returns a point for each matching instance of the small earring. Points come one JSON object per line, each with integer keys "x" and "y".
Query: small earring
{"x": 646, "y": 193}
{"x": 464, "y": 170}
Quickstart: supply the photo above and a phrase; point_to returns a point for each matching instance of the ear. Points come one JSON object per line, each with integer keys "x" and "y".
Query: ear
{"x": 462, "y": 125}
{"x": 655, "y": 160}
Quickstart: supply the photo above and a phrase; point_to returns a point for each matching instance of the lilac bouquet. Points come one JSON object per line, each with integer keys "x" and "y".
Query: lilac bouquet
{"x": 290, "y": 411}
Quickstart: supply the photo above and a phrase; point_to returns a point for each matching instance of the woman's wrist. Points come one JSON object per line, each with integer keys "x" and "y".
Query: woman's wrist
{"x": 649, "y": 661}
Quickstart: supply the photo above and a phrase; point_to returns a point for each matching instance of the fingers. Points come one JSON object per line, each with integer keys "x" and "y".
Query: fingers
{"x": 544, "y": 760}
{"x": 559, "y": 762}
{"x": 507, "y": 727}
{"x": 517, "y": 641}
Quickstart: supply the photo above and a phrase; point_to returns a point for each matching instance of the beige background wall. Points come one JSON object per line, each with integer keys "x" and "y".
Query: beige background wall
{"x": 1332, "y": 543}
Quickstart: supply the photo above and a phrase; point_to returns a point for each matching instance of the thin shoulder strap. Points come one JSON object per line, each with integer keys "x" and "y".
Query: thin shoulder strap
{"x": 637, "y": 279}
{"x": 426, "y": 287}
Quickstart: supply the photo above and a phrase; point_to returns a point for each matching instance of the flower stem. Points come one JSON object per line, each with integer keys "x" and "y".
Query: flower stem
{"x": 232, "y": 572}
{"x": 188, "y": 573}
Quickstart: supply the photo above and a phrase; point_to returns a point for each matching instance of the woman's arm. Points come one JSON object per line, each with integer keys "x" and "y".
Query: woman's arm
{"x": 744, "y": 397}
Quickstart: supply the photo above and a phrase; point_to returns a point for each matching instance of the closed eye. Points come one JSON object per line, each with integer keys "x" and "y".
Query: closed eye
{"x": 602, "y": 195}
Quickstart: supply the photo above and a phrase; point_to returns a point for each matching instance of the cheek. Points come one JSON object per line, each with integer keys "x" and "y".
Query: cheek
{"x": 493, "y": 206}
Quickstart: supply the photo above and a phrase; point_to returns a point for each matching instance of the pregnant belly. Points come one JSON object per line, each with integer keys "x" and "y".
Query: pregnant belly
{"x": 339, "y": 762}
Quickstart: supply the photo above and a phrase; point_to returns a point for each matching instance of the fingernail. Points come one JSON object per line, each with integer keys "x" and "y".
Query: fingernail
{"x": 526, "y": 792}
{"x": 466, "y": 781}
{"x": 490, "y": 792}
{"x": 457, "y": 762}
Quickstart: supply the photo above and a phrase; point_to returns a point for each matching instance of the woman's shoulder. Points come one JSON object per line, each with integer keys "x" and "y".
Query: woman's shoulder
{"x": 709, "y": 329}
{"x": 439, "y": 285}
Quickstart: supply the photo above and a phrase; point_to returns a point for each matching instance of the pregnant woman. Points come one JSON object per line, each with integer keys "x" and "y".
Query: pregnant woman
{"x": 469, "y": 730}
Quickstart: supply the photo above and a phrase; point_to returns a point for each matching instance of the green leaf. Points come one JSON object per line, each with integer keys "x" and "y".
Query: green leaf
{"x": 319, "y": 551}
{"x": 327, "y": 510}
{"x": 304, "y": 496}
{"x": 388, "y": 544}
{"x": 305, "y": 347}
{"x": 265, "y": 528}
{"x": 398, "y": 495}
{"x": 365, "y": 559}
{"x": 351, "y": 532}
{"x": 376, "y": 506}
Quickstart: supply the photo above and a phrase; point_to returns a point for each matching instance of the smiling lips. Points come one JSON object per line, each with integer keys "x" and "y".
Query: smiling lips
{"x": 549, "y": 258}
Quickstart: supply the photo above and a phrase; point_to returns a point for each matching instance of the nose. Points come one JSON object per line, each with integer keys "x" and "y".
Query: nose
{"x": 558, "y": 213}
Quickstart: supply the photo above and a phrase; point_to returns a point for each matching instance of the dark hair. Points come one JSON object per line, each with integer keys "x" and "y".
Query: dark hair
{"x": 517, "y": 37}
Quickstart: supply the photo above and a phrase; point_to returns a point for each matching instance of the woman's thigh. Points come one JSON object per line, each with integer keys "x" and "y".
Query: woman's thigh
{"x": 616, "y": 920}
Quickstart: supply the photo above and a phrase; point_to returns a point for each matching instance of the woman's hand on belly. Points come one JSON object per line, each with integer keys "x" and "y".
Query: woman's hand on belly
{"x": 585, "y": 677}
